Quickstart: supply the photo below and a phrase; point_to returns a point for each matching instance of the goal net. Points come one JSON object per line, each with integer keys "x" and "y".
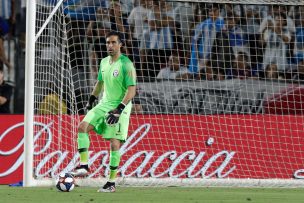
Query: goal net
{"x": 219, "y": 94}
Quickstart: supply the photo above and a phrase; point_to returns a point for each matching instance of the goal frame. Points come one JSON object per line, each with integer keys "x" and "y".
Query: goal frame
{"x": 28, "y": 179}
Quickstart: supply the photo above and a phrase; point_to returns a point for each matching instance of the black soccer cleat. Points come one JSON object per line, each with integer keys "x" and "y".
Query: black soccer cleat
{"x": 108, "y": 187}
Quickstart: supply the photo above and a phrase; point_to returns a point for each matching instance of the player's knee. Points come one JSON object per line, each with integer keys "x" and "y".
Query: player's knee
{"x": 115, "y": 144}
{"x": 83, "y": 127}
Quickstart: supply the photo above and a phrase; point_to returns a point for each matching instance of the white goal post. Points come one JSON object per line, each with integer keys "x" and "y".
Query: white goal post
{"x": 29, "y": 94}
{"x": 220, "y": 91}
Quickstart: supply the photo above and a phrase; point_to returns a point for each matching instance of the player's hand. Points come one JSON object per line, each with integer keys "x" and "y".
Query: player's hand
{"x": 91, "y": 101}
{"x": 113, "y": 116}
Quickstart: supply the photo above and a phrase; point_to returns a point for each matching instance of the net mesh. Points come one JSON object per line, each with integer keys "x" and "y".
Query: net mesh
{"x": 261, "y": 2}
{"x": 219, "y": 92}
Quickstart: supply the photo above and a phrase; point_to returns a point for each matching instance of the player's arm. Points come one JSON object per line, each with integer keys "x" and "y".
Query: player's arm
{"x": 96, "y": 91}
{"x": 3, "y": 56}
{"x": 5, "y": 96}
{"x": 129, "y": 94}
{"x": 98, "y": 88}
{"x": 3, "y": 100}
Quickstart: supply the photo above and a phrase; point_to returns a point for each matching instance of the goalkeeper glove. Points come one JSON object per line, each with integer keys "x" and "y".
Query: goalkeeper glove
{"x": 91, "y": 101}
{"x": 113, "y": 116}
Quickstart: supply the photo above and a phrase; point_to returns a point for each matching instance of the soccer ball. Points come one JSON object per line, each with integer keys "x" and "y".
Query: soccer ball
{"x": 65, "y": 182}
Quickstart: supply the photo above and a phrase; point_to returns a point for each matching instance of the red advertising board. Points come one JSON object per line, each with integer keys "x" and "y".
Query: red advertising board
{"x": 183, "y": 146}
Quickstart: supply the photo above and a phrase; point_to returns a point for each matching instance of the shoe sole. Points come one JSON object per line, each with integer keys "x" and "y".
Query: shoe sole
{"x": 107, "y": 191}
{"x": 79, "y": 175}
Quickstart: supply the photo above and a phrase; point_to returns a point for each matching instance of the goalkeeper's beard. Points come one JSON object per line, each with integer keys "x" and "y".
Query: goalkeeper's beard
{"x": 112, "y": 53}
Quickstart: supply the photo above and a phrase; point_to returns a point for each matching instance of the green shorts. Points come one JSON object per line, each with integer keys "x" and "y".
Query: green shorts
{"x": 96, "y": 117}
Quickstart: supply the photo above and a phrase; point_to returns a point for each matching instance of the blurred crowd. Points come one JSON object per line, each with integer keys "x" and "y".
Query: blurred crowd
{"x": 203, "y": 41}
{"x": 169, "y": 40}
{"x": 7, "y": 30}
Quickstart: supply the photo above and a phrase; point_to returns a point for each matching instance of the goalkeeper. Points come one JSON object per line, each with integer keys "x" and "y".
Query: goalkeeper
{"x": 110, "y": 117}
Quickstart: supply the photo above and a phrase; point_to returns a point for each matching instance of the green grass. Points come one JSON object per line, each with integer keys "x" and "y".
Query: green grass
{"x": 151, "y": 195}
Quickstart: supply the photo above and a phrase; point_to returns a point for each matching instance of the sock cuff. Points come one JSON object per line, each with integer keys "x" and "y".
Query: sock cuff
{"x": 113, "y": 168}
{"x": 83, "y": 150}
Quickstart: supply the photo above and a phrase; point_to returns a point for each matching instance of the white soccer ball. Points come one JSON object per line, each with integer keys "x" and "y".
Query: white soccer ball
{"x": 65, "y": 182}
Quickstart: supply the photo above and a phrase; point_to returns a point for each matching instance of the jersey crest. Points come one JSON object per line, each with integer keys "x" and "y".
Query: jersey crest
{"x": 115, "y": 73}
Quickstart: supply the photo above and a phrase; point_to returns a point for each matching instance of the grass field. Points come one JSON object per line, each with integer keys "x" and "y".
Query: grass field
{"x": 151, "y": 195}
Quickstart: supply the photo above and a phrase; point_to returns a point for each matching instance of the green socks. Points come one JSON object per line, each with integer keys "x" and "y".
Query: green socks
{"x": 114, "y": 163}
{"x": 83, "y": 146}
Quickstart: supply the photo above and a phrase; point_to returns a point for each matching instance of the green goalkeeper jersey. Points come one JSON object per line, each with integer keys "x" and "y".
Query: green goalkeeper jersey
{"x": 116, "y": 78}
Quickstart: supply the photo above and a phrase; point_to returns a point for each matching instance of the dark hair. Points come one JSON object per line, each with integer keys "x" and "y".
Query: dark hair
{"x": 244, "y": 55}
{"x": 282, "y": 15}
{"x": 229, "y": 15}
{"x": 115, "y": 33}
{"x": 1, "y": 68}
{"x": 269, "y": 65}
{"x": 178, "y": 54}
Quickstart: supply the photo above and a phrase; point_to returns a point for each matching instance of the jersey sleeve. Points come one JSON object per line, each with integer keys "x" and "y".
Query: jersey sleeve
{"x": 99, "y": 77}
{"x": 130, "y": 74}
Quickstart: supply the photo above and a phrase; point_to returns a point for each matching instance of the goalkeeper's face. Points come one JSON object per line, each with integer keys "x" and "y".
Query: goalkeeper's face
{"x": 113, "y": 45}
